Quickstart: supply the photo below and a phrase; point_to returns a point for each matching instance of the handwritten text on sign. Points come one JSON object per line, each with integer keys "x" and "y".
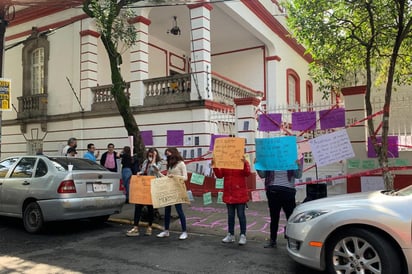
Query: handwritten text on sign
{"x": 140, "y": 190}
{"x": 168, "y": 191}
{"x": 278, "y": 153}
{"x": 331, "y": 148}
{"x": 228, "y": 153}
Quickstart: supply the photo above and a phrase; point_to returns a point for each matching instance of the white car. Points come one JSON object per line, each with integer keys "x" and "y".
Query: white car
{"x": 367, "y": 232}
{"x": 40, "y": 189}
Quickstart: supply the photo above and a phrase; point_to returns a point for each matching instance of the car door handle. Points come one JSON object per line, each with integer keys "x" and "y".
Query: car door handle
{"x": 25, "y": 183}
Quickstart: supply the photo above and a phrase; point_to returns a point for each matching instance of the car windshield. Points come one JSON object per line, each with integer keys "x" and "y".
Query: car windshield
{"x": 405, "y": 191}
{"x": 62, "y": 163}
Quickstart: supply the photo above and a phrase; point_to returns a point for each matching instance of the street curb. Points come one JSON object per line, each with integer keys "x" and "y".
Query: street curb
{"x": 130, "y": 222}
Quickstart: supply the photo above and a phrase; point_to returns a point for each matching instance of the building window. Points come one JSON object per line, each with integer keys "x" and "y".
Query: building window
{"x": 293, "y": 87}
{"x": 37, "y": 71}
{"x": 35, "y": 64}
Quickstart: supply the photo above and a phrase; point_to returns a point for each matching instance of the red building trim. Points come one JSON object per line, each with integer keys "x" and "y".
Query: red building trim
{"x": 204, "y": 5}
{"x": 353, "y": 90}
{"x": 273, "y": 58}
{"x": 212, "y": 105}
{"x": 263, "y": 14}
{"x": 247, "y": 101}
{"x": 89, "y": 32}
{"x": 140, "y": 19}
{"x": 171, "y": 54}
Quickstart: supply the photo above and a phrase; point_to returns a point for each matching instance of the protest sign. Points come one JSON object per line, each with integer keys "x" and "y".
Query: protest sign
{"x": 278, "y": 153}
{"x": 147, "y": 136}
{"x": 229, "y": 152}
{"x": 207, "y": 198}
{"x": 168, "y": 191}
{"x": 140, "y": 190}
{"x": 393, "y": 147}
{"x": 219, "y": 183}
{"x": 197, "y": 179}
{"x": 270, "y": 121}
{"x": 175, "y": 137}
{"x": 332, "y": 118}
{"x": 220, "y": 198}
{"x": 212, "y": 140}
{"x": 304, "y": 120}
{"x": 331, "y": 148}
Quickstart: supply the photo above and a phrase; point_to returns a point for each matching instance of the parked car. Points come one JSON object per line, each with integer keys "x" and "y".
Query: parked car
{"x": 354, "y": 233}
{"x": 40, "y": 189}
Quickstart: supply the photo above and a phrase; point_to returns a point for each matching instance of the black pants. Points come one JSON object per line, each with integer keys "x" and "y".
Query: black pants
{"x": 138, "y": 213}
{"x": 279, "y": 198}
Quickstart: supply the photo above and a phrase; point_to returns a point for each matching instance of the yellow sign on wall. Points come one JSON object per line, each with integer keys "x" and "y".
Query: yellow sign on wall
{"x": 5, "y": 89}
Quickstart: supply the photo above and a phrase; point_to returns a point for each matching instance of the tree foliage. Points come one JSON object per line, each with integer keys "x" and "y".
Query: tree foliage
{"x": 117, "y": 34}
{"x": 358, "y": 41}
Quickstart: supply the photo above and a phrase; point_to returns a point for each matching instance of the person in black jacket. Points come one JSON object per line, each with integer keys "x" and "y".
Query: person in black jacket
{"x": 109, "y": 158}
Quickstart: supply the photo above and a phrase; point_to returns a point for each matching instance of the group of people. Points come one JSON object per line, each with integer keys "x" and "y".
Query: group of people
{"x": 279, "y": 186}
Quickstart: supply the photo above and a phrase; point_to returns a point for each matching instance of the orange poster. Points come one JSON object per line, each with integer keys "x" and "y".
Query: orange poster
{"x": 140, "y": 190}
{"x": 228, "y": 152}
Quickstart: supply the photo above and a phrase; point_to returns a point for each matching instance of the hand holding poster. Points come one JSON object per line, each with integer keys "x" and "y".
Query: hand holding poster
{"x": 168, "y": 191}
{"x": 140, "y": 190}
{"x": 229, "y": 152}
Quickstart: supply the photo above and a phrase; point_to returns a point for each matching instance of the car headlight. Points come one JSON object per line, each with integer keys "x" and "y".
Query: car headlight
{"x": 307, "y": 216}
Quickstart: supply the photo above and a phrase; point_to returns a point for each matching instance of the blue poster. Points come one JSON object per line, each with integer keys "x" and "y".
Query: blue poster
{"x": 277, "y": 153}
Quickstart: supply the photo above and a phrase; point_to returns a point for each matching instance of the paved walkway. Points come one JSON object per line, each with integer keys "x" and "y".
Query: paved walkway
{"x": 210, "y": 219}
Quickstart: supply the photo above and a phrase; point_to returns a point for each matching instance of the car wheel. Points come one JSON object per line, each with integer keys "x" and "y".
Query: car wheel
{"x": 33, "y": 218}
{"x": 357, "y": 250}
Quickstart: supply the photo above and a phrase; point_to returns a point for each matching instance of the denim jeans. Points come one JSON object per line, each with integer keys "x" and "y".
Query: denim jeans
{"x": 182, "y": 217}
{"x": 231, "y": 210}
{"x": 279, "y": 198}
{"x": 126, "y": 175}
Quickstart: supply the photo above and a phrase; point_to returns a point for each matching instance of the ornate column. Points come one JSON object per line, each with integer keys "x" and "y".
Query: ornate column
{"x": 139, "y": 60}
{"x": 200, "y": 64}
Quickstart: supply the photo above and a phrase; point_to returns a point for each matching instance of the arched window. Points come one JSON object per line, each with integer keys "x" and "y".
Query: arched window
{"x": 293, "y": 87}
{"x": 309, "y": 93}
{"x": 37, "y": 71}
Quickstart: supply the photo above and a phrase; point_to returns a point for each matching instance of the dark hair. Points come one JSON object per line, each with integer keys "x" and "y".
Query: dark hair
{"x": 174, "y": 158}
{"x": 71, "y": 149}
{"x": 89, "y": 146}
{"x": 152, "y": 150}
{"x": 127, "y": 150}
{"x": 109, "y": 144}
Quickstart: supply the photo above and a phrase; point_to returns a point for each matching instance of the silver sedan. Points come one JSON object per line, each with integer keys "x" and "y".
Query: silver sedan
{"x": 354, "y": 233}
{"x": 40, "y": 189}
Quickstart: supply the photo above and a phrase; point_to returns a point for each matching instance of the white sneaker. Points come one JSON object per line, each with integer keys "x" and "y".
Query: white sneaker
{"x": 163, "y": 234}
{"x": 229, "y": 238}
{"x": 183, "y": 236}
{"x": 242, "y": 239}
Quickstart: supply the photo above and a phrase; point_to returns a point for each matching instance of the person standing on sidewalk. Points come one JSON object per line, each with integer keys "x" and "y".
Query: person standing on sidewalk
{"x": 91, "y": 153}
{"x": 281, "y": 194}
{"x": 109, "y": 158}
{"x": 235, "y": 196}
{"x": 175, "y": 168}
{"x": 127, "y": 164}
{"x": 151, "y": 167}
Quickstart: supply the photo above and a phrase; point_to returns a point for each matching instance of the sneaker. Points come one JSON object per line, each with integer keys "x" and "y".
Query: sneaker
{"x": 148, "y": 231}
{"x": 270, "y": 244}
{"x": 163, "y": 234}
{"x": 229, "y": 238}
{"x": 242, "y": 239}
{"x": 133, "y": 232}
{"x": 183, "y": 236}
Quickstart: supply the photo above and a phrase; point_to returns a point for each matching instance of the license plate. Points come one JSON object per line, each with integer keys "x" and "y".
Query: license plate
{"x": 99, "y": 187}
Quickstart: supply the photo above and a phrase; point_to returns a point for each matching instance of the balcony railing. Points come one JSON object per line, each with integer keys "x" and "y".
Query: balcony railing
{"x": 103, "y": 98}
{"x": 176, "y": 89}
{"x": 33, "y": 106}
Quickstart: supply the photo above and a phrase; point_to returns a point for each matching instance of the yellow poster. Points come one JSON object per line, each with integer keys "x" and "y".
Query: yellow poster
{"x": 168, "y": 191}
{"x": 140, "y": 190}
{"x": 5, "y": 88}
{"x": 228, "y": 152}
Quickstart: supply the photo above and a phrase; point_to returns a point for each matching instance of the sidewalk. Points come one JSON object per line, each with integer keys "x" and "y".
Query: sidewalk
{"x": 210, "y": 219}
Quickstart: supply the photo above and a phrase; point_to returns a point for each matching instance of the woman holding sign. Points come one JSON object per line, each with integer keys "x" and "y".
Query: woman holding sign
{"x": 175, "y": 168}
{"x": 151, "y": 167}
{"x": 235, "y": 196}
{"x": 280, "y": 192}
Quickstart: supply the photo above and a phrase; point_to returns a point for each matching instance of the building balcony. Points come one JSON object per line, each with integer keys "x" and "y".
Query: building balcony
{"x": 32, "y": 107}
{"x": 175, "y": 89}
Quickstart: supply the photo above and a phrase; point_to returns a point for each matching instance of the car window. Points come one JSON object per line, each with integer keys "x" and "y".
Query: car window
{"x": 41, "y": 169}
{"x": 6, "y": 165}
{"x": 24, "y": 169}
{"x": 78, "y": 163}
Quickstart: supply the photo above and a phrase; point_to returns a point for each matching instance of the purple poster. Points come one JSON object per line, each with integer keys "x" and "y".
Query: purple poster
{"x": 393, "y": 151}
{"x": 147, "y": 136}
{"x": 212, "y": 140}
{"x": 332, "y": 118}
{"x": 175, "y": 137}
{"x": 304, "y": 120}
{"x": 270, "y": 122}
